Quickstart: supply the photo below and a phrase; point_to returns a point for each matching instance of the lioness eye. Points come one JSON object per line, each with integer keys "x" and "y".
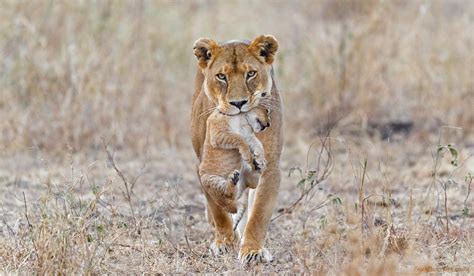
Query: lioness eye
{"x": 220, "y": 77}
{"x": 251, "y": 74}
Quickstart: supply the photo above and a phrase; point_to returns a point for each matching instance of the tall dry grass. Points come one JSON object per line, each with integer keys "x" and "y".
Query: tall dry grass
{"x": 73, "y": 72}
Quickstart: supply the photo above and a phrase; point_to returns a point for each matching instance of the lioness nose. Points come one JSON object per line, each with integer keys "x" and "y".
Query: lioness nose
{"x": 238, "y": 104}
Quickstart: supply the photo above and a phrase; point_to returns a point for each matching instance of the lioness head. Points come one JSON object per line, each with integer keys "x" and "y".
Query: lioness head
{"x": 237, "y": 74}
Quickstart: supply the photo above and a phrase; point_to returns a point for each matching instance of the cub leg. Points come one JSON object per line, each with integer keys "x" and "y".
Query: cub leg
{"x": 223, "y": 191}
{"x": 258, "y": 154}
{"x": 250, "y": 180}
{"x": 240, "y": 218}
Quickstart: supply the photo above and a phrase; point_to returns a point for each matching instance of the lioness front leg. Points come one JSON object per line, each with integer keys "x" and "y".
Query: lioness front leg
{"x": 253, "y": 240}
{"x": 224, "y": 237}
{"x": 221, "y": 197}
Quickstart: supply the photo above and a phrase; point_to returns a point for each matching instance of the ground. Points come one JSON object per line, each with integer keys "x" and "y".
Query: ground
{"x": 80, "y": 216}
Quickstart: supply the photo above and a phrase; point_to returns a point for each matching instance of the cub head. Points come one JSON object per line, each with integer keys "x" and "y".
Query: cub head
{"x": 236, "y": 74}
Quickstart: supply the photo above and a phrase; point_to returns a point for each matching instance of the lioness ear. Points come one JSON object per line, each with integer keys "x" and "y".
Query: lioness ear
{"x": 204, "y": 50}
{"x": 264, "y": 47}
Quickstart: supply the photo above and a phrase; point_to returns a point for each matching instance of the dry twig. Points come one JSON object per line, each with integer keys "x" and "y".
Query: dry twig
{"x": 316, "y": 176}
{"x": 128, "y": 185}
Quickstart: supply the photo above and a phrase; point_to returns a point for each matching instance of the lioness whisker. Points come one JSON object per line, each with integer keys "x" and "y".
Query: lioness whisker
{"x": 207, "y": 112}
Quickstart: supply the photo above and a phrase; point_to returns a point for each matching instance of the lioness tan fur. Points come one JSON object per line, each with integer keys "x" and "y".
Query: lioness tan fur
{"x": 229, "y": 140}
{"x": 229, "y": 77}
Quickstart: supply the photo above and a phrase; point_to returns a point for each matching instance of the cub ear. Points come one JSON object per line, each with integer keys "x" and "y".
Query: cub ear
{"x": 204, "y": 50}
{"x": 264, "y": 47}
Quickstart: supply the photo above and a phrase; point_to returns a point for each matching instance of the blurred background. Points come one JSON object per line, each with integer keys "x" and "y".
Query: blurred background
{"x": 392, "y": 80}
{"x": 75, "y": 71}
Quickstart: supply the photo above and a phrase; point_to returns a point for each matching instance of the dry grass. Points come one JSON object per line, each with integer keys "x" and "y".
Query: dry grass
{"x": 386, "y": 76}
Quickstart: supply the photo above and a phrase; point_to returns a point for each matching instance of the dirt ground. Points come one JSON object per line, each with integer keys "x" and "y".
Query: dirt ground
{"x": 170, "y": 232}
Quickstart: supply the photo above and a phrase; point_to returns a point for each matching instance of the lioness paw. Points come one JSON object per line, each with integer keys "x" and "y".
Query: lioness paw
{"x": 219, "y": 248}
{"x": 224, "y": 245}
{"x": 248, "y": 257}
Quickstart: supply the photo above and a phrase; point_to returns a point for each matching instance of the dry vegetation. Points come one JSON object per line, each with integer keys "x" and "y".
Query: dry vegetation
{"x": 97, "y": 170}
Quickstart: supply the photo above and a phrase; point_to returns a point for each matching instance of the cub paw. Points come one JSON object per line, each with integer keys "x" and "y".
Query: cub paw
{"x": 249, "y": 256}
{"x": 234, "y": 177}
{"x": 259, "y": 163}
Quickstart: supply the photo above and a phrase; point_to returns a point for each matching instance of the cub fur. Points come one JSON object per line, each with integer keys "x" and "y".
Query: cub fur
{"x": 229, "y": 140}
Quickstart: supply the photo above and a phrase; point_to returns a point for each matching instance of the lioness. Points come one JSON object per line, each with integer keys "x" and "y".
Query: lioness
{"x": 229, "y": 139}
{"x": 229, "y": 77}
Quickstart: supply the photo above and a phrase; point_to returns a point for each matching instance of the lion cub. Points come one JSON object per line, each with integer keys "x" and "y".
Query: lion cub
{"x": 229, "y": 140}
